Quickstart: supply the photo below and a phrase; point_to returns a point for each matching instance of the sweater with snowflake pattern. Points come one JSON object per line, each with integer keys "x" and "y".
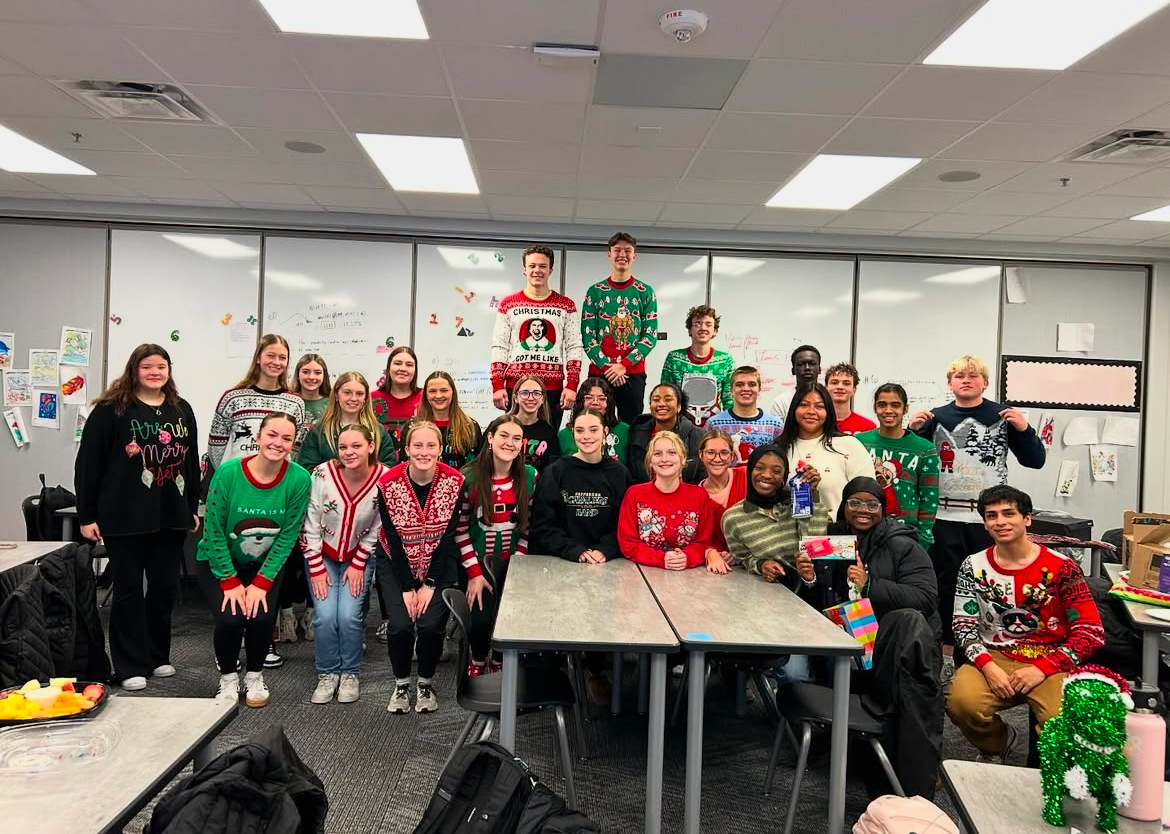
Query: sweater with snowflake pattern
{"x": 235, "y": 425}
{"x": 542, "y": 338}
{"x": 619, "y": 323}
{"x": 652, "y": 522}
{"x": 339, "y": 524}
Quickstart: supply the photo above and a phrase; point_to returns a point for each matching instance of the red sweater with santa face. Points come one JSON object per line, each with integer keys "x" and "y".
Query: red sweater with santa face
{"x": 652, "y": 522}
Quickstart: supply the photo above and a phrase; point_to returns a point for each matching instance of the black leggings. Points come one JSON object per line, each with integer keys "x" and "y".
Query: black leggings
{"x": 483, "y": 620}
{"x": 296, "y": 588}
{"x": 140, "y": 624}
{"x": 429, "y": 631}
{"x": 954, "y": 541}
{"x": 230, "y": 628}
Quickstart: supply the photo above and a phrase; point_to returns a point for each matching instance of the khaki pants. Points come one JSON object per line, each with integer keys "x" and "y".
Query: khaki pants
{"x": 975, "y": 708}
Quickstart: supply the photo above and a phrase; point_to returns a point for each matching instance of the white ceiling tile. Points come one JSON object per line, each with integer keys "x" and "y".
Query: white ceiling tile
{"x": 220, "y": 169}
{"x": 677, "y": 224}
{"x": 216, "y": 15}
{"x": 1124, "y": 230}
{"x": 371, "y": 65}
{"x": 308, "y": 206}
{"x": 973, "y": 223}
{"x": 522, "y": 120}
{"x": 525, "y": 156}
{"x": 991, "y": 174}
{"x": 197, "y": 140}
{"x": 1010, "y": 203}
{"x": 1154, "y": 183}
{"x": 773, "y": 132}
{"x": 511, "y": 74}
{"x": 640, "y": 162}
{"x": 1141, "y": 49}
{"x": 735, "y": 30}
{"x": 550, "y": 208}
{"x": 1076, "y": 97}
{"x": 22, "y": 95}
{"x": 333, "y": 197}
{"x": 913, "y": 199}
{"x": 1020, "y": 238}
{"x": 221, "y": 58}
{"x": 48, "y": 11}
{"x": 893, "y": 31}
{"x": 448, "y": 214}
{"x": 76, "y": 52}
{"x": 340, "y": 148}
{"x": 1158, "y": 118}
{"x": 635, "y": 211}
{"x": 1083, "y": 177}
{"x": 742, "y": 165}
{"x": 251, "y": 192}
{"x": 626, "y": 188}
{"x": 456, "y": 204}
{"x": 404, "y": 115}
{"x": 9, "y": 68}
{"x": 1023, "y": 142}
{"x": 96, "y": 134}
{"x": 83, "y": 186}
{"x": 790, "y": 218}
{"x": 919, "y": 233}
{"x": 931, "y": 92}
{"x": 703, "y": 213}
{"x": 513, "y": 22}
{"x": 118, "y": 164}
{"x": 254, "y": 107}
{"x": 676, "y": 127}
{"x": 1103, "y": 205}
{"x": 893, "y": 221}
{"x": 159, "y": 188}
{"x": 821, "y": 87}
{"x": 897, "y": 137}
{"x": 845, "y": 230}
{"x": 1053, "y": 226}
{"x": 14, "y": 184}
{"x": 724, "y": 191}
{"x": 517, "y": 183}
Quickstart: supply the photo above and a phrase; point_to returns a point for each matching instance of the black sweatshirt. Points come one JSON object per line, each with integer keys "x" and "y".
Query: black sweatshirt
{"x": 576, "y": 506}
{"x": 138, "y": 473}
{"x": 541, "y": 446}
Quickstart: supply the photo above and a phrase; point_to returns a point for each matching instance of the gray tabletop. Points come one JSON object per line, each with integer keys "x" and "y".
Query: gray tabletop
{"x": 1138, "y": 612}
{"x": 611, "y": 608}
{"x": 153, "y": 739}
{"x": 739, "y": 611}
{"x": 25, "y": 552}
{"x": 995, "y": 799}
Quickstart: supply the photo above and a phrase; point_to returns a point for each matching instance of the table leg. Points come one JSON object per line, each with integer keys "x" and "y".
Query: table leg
{"x": 1150, "y": 657}
{"x": 67, "y": 528}
{"x": 643, "y": 682}
{"x": 656, "y": 742}
{"x": 1095, "y": 563}
{"x": 694, "y": 778}
{"x": 508, "y": 699}
{"x": 838, "y": 744}
{"x": 203, "y": 756}
{"x": 615, "y": 698}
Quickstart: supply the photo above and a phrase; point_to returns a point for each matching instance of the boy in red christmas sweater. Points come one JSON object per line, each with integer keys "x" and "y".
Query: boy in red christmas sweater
{"x": 1023, "y": 617}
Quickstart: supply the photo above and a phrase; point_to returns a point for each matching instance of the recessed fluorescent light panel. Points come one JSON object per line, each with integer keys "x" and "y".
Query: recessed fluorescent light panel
{"x": 1039, "y": 34}
{"x": 19, "y": 155}
{"x": 421, "y": 163}
{"x": 355, "y": 18}
{"x": 1160, "y": 215}
{"x": 835, "y": 183}
{"x": 210, "y": 246}
{"x": 725, "y": 266}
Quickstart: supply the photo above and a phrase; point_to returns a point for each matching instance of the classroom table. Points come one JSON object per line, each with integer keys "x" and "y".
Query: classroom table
{"x": 68, "y": 516}
{"x": 1152, "y": 629}
{"x": 997, "y": 799}
{"x": 25, "y": 552}
{"x": 551, "y": 604}
{"x": 157, "y": 738}
{"x": 741, "y": 613}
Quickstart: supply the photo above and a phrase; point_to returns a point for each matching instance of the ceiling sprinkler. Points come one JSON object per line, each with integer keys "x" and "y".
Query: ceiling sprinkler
{"x": 683, "y": 24}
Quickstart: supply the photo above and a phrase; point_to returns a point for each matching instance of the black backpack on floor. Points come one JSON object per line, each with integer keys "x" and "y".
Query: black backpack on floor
{"x": 486, "y": 790}
{"x": 51, "y": 499}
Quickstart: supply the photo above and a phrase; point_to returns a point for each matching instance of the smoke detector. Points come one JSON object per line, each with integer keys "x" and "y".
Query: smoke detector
{"x": 1136, "y": 146}
{"x": 683, "y": 24}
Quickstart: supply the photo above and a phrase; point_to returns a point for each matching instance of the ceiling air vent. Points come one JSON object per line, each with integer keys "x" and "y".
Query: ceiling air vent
{"x": 137, "y": 101}
{"x": 1132, "y": 145}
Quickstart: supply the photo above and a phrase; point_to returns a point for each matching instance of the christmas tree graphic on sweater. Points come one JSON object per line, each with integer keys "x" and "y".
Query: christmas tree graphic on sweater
{"x": 971, "y": 458}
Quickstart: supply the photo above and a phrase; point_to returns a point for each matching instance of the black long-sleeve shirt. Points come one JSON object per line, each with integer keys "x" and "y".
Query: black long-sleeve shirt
{"x": 576, "y": 507}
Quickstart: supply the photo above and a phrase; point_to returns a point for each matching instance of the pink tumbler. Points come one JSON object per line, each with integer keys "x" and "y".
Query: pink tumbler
{"x": 1145, "y": 748}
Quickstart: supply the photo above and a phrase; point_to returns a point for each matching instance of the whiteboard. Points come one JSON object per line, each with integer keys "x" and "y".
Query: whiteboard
{"x": 916, "y": 317}
{"x": 195, "y": 294}
{"x": 457, "y": 291}
{"x": 348, "y": 300}
{"x": 770, "y": 306}
{"x": 679, "y": 282}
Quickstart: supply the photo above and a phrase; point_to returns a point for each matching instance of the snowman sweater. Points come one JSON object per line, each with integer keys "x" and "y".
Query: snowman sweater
{"x": 706, "y": 382}
{"x": 652, "y": 522}
{"x": 1041, "y": 614}
{"x": 339, "y": 524}
{"x": 235, "y": 426}
{"x": 619, "y": 324}
{"x": 542, "y": 338}
{"x": 248, "y": 522}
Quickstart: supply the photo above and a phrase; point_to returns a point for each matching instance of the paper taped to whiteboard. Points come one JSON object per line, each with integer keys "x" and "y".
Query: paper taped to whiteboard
{"x": 1121, "y": 431}
{"x": 1080, "y": 431}
{"x": 1075, "y": 336}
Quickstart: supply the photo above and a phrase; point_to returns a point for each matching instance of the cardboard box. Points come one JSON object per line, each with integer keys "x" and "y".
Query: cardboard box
{"x": 1150, "y": 562}
{"x": 1141, "y": 528}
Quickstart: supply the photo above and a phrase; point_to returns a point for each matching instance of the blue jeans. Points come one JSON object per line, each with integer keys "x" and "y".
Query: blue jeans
{"x": 339, "y": 624}
{"x": 795, "y": 670}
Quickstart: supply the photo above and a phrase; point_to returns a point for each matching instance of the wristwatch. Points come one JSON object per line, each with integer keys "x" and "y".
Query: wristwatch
{"x": 429, "y": 582}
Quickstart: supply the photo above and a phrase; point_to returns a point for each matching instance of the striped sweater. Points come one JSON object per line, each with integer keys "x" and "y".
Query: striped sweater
{"x": 755, "y": 535}
{"x": 340, "y": 525}
{"x": 482, "y": 539}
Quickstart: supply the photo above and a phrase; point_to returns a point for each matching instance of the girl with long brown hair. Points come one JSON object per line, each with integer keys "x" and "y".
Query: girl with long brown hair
{"x": 311, "y": 384}
{"x": 462, "y": 436}
{"x": 397, "y": 398}
{"x": 530, "y": 408}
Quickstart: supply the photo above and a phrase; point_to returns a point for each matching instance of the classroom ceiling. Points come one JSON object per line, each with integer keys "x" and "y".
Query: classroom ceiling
{"x": 818, "y": 76}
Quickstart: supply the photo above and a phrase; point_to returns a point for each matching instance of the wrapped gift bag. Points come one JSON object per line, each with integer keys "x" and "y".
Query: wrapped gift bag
{"x": 856, "y": 617}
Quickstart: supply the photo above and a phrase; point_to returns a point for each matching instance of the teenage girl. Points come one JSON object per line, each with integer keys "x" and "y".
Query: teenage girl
{"x": 597, "y": 394}
{"x": 440, "y": 405}
{"x": 311, "y": 384}
{"x": 397, "y": 398}
{"x": 726, "y": 484}
{"x": 349, "y": 404}
{"x": 530, "y": 408}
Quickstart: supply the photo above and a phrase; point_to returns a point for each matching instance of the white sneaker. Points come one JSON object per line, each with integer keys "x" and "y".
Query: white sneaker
{"x": 229, "y": 688}
{"x": 164, "y": 671}
{"x": 425, "y": 699}
{"x": 349, "y": 690}
{"x": 400, "y": 700}
{"x": 326, "y": 686}
{"x": 255, "y": 690}
{"x": 134, "y": 684}
{"x": 307, "y": 624}
{"x": 286, "y": 626}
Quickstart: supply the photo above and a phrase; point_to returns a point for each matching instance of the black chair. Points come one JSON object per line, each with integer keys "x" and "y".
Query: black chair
{"x": 537, "y": 688}
{"x": 808, "y": 705}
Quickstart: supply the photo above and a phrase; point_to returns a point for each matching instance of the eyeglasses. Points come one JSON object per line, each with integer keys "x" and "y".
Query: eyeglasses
{"x": 858, "y": 504}
{"x": 530, "y": 395}
{"x": 719, "y": 455}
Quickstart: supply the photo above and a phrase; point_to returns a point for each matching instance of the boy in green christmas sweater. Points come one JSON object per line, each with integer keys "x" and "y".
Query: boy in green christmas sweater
{"x": 700, "y": 371}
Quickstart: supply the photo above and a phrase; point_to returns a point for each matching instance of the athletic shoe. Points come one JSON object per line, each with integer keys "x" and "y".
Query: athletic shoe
{"x": 381, "y": 635}
{"x": 134, "y": 684}
{"x": 1013, "y": 736}
{"x": 425, "y": 699}
{"x": 272, "y": 660}
{"x": 286, "y": 626}
{"x": 349, "y": 690}
{"x": 326, "y": 686}
{"x": 229, "y": 688}
{"x": 474, "y": 670}
{"x": 255, "y": 690}
{"x": 494, "y": 666}
{"x": 164, "y": 671}
{"x": 307, "y": 624}
{"x": 400, "y": 700}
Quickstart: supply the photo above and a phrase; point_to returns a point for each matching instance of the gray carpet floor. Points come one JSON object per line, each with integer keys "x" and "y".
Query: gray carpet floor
{"x": 379, "y": 769}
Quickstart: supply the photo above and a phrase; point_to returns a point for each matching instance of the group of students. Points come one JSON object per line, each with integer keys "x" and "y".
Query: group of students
{"x": 326, "y": 488}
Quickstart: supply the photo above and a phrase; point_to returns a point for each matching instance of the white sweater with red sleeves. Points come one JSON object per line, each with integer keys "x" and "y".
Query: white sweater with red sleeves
{"x": 339, "y": 524}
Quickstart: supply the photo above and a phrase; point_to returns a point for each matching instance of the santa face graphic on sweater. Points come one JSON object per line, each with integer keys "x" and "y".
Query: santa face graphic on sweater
{"x": 255, "y": 536}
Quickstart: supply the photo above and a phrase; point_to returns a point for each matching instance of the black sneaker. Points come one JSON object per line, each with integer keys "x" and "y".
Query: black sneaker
{"x": 272, "y": 660}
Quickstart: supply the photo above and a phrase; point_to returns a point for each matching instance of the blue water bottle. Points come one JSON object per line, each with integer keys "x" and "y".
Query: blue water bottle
{"x": 802, "y": 496}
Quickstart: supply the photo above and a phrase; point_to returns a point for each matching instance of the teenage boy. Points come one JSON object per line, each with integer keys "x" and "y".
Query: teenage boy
{"x": 619, "y": 327}
{"x": 537, "y": 331}
{"x": 841, "y": 380}
{"x": 748, "y": 424}
{"x": 906, "y": 464}
{"x": 700, "y": 371}
{"x": 973, "y": 437}
{"x": 806, "y": 367}
{"x": 1023, "y": 617}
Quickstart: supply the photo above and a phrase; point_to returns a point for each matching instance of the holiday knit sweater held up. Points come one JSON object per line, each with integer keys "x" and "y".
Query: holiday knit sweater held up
{"x": 706, "y": 382}
{"x": 542, "y": 338}
{"x": 235, "y": 426}
{"x": 494, "y": 538}
{"x": 617, "y": 440}
{"x": 619, "y": 323}
{"x": 418, "y": 535}
{"x": 576, "y": 506}
{"x": 339, "y": 524}
{"x": 395, "y": 412}
{"x": 973, "y": 444}
{"x": 747, "y": 432}
{"x": 907, "y": 467}
{"x": 758, "y": 534}
{"x": 652, "y": 522}
{"x": 1042, "y": 614}
{"x": 248, "y": 522}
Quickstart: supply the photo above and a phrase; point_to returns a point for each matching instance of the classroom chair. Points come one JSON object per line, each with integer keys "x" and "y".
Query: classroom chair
{"x": 537, "y": 688}
{"x": 809, "y": 705}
